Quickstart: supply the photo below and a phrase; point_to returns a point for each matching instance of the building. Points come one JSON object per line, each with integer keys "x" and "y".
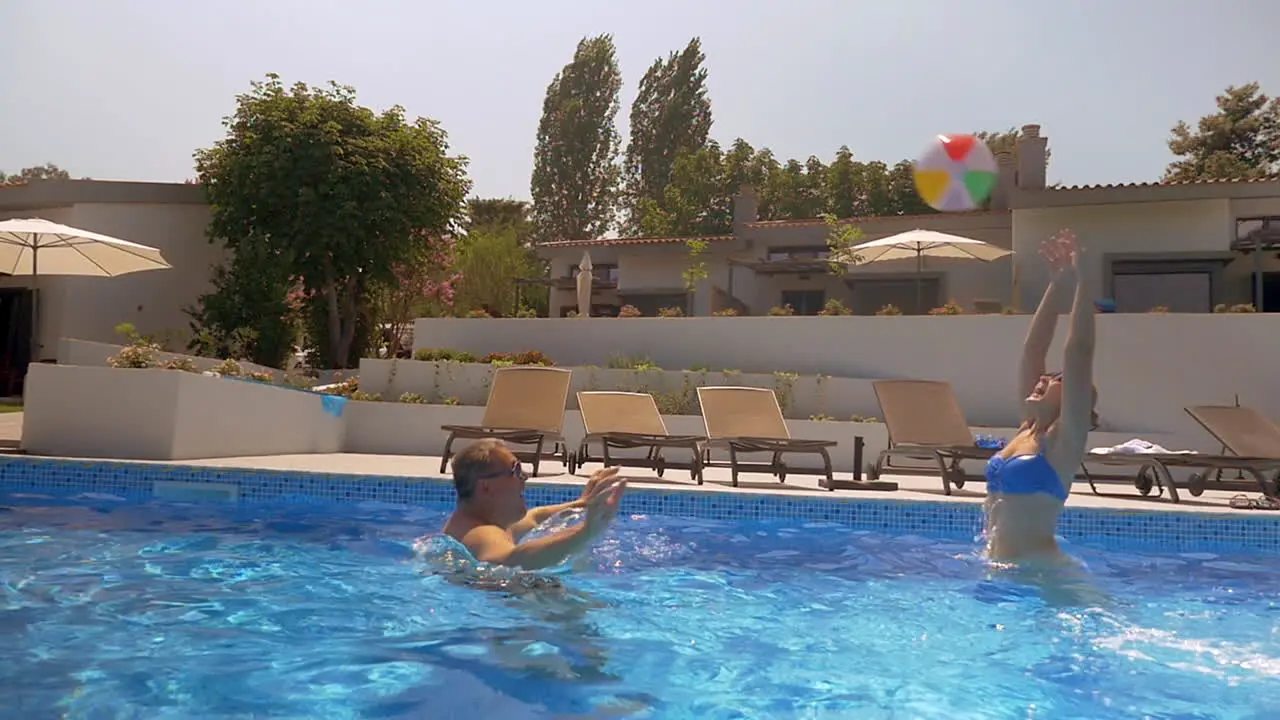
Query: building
{"x": 169, "y": 216}
{"x": 1185, "y": 247}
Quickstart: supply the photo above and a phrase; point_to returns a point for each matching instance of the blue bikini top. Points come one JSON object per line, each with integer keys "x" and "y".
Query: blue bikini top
{"x": 1024, "y": 475}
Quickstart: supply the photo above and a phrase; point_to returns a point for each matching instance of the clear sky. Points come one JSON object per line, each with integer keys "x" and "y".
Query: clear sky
{"x": 127, "y": 89}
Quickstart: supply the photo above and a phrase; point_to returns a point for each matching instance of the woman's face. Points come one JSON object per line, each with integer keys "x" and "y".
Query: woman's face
{"x": 1046, "y": 396}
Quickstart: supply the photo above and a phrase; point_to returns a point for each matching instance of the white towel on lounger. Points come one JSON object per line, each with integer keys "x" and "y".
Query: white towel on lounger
{"x": 1138, "y": 447}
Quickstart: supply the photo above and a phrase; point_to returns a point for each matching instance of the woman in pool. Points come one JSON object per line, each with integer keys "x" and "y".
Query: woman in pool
{"x": 1029, "y": 480}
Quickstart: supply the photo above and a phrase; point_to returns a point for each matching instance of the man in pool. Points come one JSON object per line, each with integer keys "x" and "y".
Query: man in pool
{"x": 491, "y": 517}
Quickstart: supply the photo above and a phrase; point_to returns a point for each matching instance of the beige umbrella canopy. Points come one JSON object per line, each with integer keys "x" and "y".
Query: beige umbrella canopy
{"x": 919, "y": 244}
{"x": 34, "y": 247}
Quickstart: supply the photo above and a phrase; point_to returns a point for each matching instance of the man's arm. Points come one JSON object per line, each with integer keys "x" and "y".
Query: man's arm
{"x": 539, "y": 515}
{"x": 492, "y": 545}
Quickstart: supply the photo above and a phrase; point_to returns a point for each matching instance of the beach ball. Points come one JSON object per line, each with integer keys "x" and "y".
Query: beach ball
{"x": 955, "y": 173}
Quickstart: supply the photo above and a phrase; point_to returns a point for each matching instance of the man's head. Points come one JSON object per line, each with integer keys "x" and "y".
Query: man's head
{"x": 490, "y": 481}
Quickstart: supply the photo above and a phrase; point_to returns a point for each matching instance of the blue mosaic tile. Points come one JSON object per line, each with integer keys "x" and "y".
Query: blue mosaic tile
{"x": 1169, "y": 530}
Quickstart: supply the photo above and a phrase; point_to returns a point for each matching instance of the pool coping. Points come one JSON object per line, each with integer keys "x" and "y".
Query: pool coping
{"x": 1169, "y": 527}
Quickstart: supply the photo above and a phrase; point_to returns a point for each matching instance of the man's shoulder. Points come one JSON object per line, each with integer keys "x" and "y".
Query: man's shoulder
{"x": 459, "y": 527}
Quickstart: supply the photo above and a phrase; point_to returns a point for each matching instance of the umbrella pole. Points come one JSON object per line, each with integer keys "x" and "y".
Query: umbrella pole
{"x": 919, "y": 271}
{"x": 35, "y": 301}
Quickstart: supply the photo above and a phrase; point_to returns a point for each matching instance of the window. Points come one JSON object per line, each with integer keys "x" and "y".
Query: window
{"x": 599, "y": 273}
{"x": 804, "y": 302}
{"x": 1179, "y": 285}
{"x": 817, "y": 252}
{"x": 872, "y": 294}
{"x": 1254, "y": 231}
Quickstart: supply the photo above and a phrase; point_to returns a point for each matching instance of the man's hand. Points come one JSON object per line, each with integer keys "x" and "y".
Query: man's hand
{"x": 602, "y": 503}
{"x": 603, "y": 475}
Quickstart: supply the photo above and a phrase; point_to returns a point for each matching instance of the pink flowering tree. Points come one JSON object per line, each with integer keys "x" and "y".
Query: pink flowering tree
{"x": 424, "y": 285}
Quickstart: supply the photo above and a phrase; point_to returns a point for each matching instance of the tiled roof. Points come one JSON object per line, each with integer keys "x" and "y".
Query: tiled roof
{"x": 634, "y": 241}
{"x": 814, "y": 222}
{"x": 1173, "y": 183}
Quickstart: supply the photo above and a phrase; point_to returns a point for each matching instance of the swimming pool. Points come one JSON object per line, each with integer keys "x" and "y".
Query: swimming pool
{"x": 322, "y": 610}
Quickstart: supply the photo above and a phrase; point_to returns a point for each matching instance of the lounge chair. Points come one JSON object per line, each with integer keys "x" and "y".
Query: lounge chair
{"x": 526, "y": 407}
{"x": 924, "y": 422}
{"x": 627, "y": 421}
{"x": 749, "y": 420}
{"x": 1250, "y": 443}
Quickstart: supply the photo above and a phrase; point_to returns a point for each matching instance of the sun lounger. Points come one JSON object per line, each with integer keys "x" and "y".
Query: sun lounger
{"x": 1250, "y": 443}
{"x": 924, "y": 422}
{"x": 749, "y": 420}
{"x": 526, "y": 406}
{"x": 627, "y": 421}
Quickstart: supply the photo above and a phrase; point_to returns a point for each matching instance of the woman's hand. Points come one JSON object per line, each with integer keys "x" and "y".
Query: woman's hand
{"x": 1062, "y": 252}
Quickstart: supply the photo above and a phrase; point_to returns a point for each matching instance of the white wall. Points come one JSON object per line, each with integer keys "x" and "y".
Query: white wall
{"x": 1148, "y": 366}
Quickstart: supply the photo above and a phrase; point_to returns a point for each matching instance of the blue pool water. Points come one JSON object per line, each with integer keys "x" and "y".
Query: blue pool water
{"x": 121, "y": 610}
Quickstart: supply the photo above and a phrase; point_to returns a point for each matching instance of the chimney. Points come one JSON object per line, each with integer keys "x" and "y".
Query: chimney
{"x": 1006, "y": 180}
{"x": 746, "y": 207}
{"x": 1033, "y": 159}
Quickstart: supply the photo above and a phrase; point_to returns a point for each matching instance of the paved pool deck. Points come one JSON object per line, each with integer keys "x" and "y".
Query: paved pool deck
{"x": 911, "y": 487}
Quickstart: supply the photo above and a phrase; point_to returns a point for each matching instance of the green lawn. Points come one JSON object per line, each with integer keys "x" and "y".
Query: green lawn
{"x": 10, "y": 408}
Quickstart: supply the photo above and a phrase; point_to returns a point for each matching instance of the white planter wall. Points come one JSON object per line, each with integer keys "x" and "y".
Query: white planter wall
{"x": 158, "y": 414}
{"x": 803, "y": 397}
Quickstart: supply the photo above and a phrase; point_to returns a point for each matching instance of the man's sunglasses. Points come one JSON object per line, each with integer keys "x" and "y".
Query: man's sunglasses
{"x": 515, "y": 471}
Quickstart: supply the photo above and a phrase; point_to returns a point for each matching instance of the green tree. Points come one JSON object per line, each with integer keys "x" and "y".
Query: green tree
{"x": 1239, "y": 141}
{"x": 48, "y": 171}
{"x": 490, "y": 259}
{"x": 575, "y": 175}
{"x": 340, "y": 195}
{"x": 670, "y": 115}
{"x": 697, "y": 200}
{"x": 487, "y": 212}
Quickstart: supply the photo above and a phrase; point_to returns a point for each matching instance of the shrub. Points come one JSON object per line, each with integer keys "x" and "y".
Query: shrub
{"x": 1240, "y": 308}
{"x": 950, "y": 308}
{"x": 228, "y": 368}
{"x": 261, "y": 376}
{"x": 185, "y": 364}
{"x": 889, "y": 310}
{"x": 779, "y": 310}
{"x": 1159, "y": 309}
{"x": 137, "y": 355}
{"x": 834, "y": 307}
{"x": 443, "y": 355}
{"x": 367, "y": 397}
{"x": 571, "y": 314}
{"x": 451, "y": 400}
{"x": 478, "y": 314}
{"x": 727, "y": 312}
{"x": 412, "y": 397}
{"x": 526, "y": 313}
{"x": 345, "y": 388}
{"x": 533, "y": 357}
{"x": 629, "y": 311}
{"x": 670, "y": 312}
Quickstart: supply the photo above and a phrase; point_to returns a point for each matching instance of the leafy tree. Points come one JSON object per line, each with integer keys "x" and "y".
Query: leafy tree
{"x": 48, "y": 171}
{"x": 1240, "y": 141}
{"x": 670, "y": 115}
{"x": 490, "y": 258}
{"x": 249, "y": 314}
{"x": 423, "y": 286}
{"x": 575, "y": 176}
{"x": 697, "y": 270}
{"x": 487, "y": 212}
{"x": 308, "y": 180}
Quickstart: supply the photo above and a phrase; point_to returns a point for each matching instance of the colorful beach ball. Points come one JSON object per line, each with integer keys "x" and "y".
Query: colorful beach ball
{"x": 956, "y": 173}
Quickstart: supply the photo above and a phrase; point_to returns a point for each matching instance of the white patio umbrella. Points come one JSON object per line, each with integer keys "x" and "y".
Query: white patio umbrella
{"x": 920, "y": 244}
{"x": 33, "y": 246}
